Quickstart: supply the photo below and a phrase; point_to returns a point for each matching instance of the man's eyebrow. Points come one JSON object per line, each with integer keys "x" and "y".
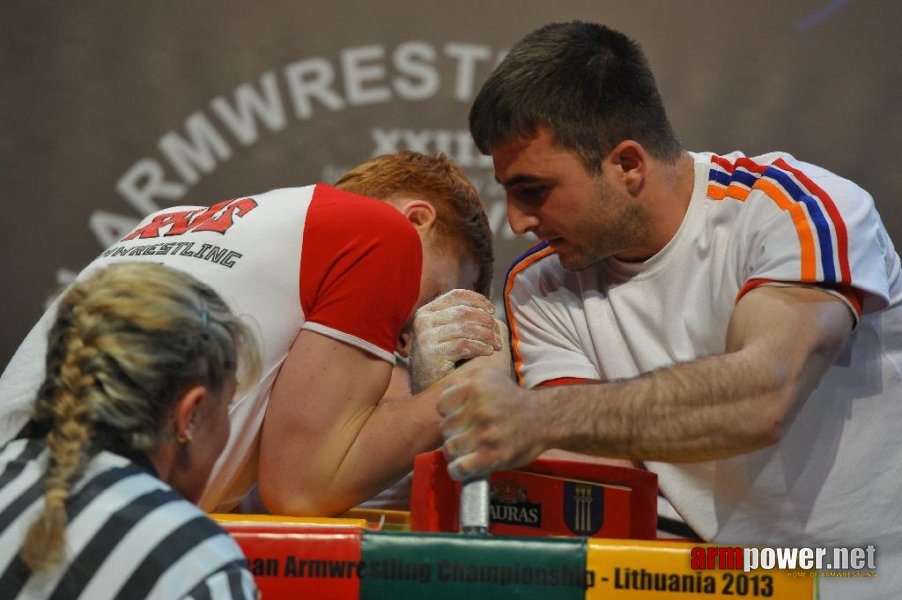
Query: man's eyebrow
{"x": 518, "y": 179}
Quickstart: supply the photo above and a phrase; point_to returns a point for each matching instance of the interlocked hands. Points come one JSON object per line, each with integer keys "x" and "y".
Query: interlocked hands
{"x": 489, "y": 424}
{"x": 455, "y": 327}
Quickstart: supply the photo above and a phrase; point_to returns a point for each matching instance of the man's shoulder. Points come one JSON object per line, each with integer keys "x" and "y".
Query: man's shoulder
{"x": 765, "y": 164}
{"x": 778, "y": 176}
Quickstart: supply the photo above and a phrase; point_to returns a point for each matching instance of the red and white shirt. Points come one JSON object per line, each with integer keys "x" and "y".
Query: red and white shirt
{"x": 312, "y": 258}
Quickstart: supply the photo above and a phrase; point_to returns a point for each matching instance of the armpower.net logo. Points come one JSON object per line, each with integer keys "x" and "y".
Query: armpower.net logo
{"x": 804, "y": 561}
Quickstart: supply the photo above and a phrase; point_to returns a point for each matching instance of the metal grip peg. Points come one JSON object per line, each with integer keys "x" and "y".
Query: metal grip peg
{"x": 474, "y": 506}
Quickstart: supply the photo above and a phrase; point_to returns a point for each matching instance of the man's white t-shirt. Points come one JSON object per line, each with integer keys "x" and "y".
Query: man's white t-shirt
{"x": 835, "y": 478}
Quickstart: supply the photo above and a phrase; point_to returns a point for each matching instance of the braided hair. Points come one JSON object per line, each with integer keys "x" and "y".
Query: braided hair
{"x": 126, "y": 342}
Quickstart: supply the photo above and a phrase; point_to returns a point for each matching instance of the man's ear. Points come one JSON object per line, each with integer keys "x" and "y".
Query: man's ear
{"x": 629, "y": 162}
{"x": 419, "y": 212}
{"x": 188, "y": 412}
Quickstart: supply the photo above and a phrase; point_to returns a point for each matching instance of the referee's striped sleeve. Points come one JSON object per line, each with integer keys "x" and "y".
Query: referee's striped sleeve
{"x": 179, "y": 557}
{"x": 233, "y": 581}
{"x": 129, "y": 535}
{"x": 103, "y": 544}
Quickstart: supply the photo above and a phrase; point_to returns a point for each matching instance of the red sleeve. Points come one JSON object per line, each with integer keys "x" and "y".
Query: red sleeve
{"x": 360, "y": 270}
{"x": 566, "y": 381}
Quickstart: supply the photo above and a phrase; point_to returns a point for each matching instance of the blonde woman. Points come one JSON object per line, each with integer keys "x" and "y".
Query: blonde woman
{"x": 96, "y": 495}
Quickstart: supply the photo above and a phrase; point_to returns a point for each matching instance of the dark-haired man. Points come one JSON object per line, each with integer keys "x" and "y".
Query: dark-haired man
{"x": 733, "y": 322}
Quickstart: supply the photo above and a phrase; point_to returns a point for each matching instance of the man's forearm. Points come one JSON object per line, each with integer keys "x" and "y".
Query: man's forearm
{"x": 779, "y": 343}
{"x": 383, "y": 451}
{"x": 387, "y": 439}
{"x": 706, "y": 409}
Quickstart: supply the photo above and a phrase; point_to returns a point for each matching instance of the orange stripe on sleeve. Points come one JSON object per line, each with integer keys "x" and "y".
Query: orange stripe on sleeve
{"x": 740, "y": 192}
{"x": 716, "y": 192}
{"x": 515, "y": 338}
{"x": 839, "y": 225}
{"x": 735, "y": 191}
{"x": 803, "y": 227}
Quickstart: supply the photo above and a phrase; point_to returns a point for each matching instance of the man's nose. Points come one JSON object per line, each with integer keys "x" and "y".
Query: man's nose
{"x": 520, "y": 220}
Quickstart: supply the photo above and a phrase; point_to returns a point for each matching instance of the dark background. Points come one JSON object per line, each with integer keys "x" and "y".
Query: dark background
{"x": 95, "y": 91}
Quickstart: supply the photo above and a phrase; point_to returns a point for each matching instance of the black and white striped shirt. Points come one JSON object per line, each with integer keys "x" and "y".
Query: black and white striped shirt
{"x": 129, "y": 535}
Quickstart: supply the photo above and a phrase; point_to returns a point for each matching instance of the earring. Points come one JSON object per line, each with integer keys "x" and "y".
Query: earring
{"x": 184, "y": 438}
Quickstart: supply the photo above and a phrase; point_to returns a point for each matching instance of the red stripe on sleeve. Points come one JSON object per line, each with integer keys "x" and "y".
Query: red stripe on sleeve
{"x": 854, "y": 296}
{"x": 749, "y": 165}
{"x": 566, "y": 381}
{"x": 723, "y": 163}
{"x": 842, "y": 236}
{"x": 750, "y": 285}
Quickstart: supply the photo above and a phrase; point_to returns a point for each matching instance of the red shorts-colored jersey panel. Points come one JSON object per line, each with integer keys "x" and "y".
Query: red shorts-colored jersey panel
{"x": 360, "y": 266}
